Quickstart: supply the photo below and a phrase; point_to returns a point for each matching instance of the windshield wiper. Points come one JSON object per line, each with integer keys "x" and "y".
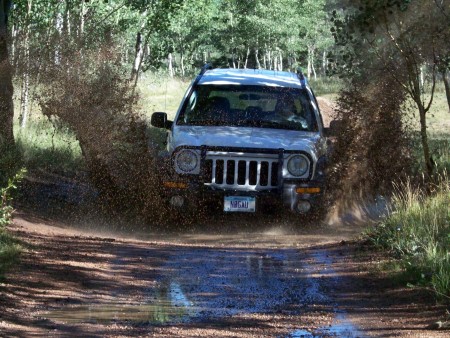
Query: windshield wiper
{"x": 276, "y": 125}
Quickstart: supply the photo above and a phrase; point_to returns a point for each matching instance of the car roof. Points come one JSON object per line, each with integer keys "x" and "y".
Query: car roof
{"x": 258, "y": 77}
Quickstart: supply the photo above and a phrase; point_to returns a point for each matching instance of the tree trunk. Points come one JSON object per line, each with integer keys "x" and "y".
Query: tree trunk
{"x": 313, "y": 69}
{"x": 424, "y": 138}
{"x": 59, "y": 25}
{"x": 324, "y": 63}
{"x": 137, "y": 58}
{"x": 309, "y": 67}
{"x": 82, "y": 15}
{"x": 280, "y": 58}
{"x": 258, "y": 64}
{"x": 6, "y": 86}
{"x": 246, "y": 58}
{"x": 24, "y": 95}
{"x": 13, "y": 45}
{"x": 182, "y": 65}
{"x": 170, "y": 61}
{"x": 447, "y": 87}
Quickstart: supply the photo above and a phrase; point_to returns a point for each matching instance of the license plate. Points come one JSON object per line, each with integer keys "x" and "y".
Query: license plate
{"x": 239, "y": 203}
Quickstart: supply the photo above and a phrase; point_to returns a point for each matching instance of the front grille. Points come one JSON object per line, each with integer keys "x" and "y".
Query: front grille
{"x": 246, "y": 172}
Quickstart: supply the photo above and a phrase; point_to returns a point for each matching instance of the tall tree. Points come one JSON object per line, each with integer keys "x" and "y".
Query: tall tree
{"x": 401, "y": 40}
{"x": 6, "y": 86}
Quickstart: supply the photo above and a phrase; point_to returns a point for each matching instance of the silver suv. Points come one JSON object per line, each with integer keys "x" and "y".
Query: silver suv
{"x": 246, "y": 139}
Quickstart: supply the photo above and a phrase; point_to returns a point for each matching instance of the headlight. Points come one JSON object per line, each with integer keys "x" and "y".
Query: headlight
{"x": 297, "y": 165}
{"x": 187, "y": 162}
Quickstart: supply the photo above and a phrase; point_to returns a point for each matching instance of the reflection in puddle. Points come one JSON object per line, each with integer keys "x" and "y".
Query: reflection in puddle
{"x": 170, "y": 305}
{"x": 177, "y": 296}
{"x": 301, "y": 334}
{"x": 341, "y": 328}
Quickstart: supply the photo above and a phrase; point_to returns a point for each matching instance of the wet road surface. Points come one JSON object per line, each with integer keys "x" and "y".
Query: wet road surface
{"x": 272, "y": 281}
{"x": 202, "y": 285}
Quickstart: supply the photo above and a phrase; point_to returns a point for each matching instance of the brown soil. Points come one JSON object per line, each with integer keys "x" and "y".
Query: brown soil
{"x": 66, "y": 272}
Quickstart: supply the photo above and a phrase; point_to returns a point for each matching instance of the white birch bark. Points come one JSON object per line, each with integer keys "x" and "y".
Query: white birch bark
{"x": 281, "y": 61}
{"x": 258, "y": 64}
{"x": 82, "y": 15}
{"x": 25, "y": 89}
{"x": 137, "y": 58}
{"x": 59, "y": 23}
{"x": 170, "y": 61}
{"x": 246, "y": 58}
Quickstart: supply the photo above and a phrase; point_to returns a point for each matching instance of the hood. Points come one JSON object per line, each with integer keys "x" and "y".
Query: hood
{"x": 241, "y": 137}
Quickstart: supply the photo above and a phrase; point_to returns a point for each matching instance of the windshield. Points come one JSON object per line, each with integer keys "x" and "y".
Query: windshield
{"x": 248, "y": 106}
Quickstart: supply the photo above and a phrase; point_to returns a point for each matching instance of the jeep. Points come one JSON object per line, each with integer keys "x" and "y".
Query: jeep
{"x": 248, "y": 139}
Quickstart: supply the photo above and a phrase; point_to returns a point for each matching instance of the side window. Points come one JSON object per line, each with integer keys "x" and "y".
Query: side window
{"x": 318, "y": 108}
{"x": 189, "y": 111}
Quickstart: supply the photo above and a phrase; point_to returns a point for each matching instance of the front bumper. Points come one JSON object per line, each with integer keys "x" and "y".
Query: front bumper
{"x": 288, "y": 195}
{"x": 254, "y": 173}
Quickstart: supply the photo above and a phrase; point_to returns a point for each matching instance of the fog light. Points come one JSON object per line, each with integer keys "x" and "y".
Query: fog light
{"x": 303, "y": 206}
{"x": 177, "y": 201}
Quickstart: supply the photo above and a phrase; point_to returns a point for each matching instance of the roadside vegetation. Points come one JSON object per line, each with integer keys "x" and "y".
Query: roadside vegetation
{"x": 417, "y": 233}
{"x": 9, "y": 246}
{"x": 416, "y": 230}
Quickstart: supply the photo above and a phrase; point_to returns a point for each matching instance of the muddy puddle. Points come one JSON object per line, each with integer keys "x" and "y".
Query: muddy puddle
{"x": 204, "y": 284}
{"x": 168, "y": 305}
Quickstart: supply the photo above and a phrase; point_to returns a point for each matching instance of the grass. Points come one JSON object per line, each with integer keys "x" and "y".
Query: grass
{"x": 45, "y": 147}
{"x": 417, "y": 231}
{"x": 160, "y": 93}
{"x": 326, "y": 86}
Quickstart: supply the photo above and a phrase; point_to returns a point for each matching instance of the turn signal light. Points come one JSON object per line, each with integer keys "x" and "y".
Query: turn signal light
{"x": 301, "y": 190}
{"x": 175, "y": 185}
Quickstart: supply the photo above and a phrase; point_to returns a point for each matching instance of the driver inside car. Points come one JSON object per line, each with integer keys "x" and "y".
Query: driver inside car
{"x": 286, "y": 111}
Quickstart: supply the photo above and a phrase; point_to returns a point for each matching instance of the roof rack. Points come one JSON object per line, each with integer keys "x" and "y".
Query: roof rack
{"x": 206, "y": 66}
{"x": 301, "y": 77}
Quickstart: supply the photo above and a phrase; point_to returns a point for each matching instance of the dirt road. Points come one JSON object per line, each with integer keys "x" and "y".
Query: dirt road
{"x": 274, "y": 280}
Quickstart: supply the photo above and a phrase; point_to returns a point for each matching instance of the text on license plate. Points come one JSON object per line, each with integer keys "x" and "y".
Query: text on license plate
{"x": 239, "y": 203}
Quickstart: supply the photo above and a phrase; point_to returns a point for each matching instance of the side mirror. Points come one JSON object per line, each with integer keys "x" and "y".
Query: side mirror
{"x": 159, "y": 120}
{"x": 334, "y": 129}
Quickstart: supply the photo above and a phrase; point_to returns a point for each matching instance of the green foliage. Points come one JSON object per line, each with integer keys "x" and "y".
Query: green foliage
{"x": 9, "y": 248}
{"x": 6, "y": 209}
{"x": 417, "y": 231}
